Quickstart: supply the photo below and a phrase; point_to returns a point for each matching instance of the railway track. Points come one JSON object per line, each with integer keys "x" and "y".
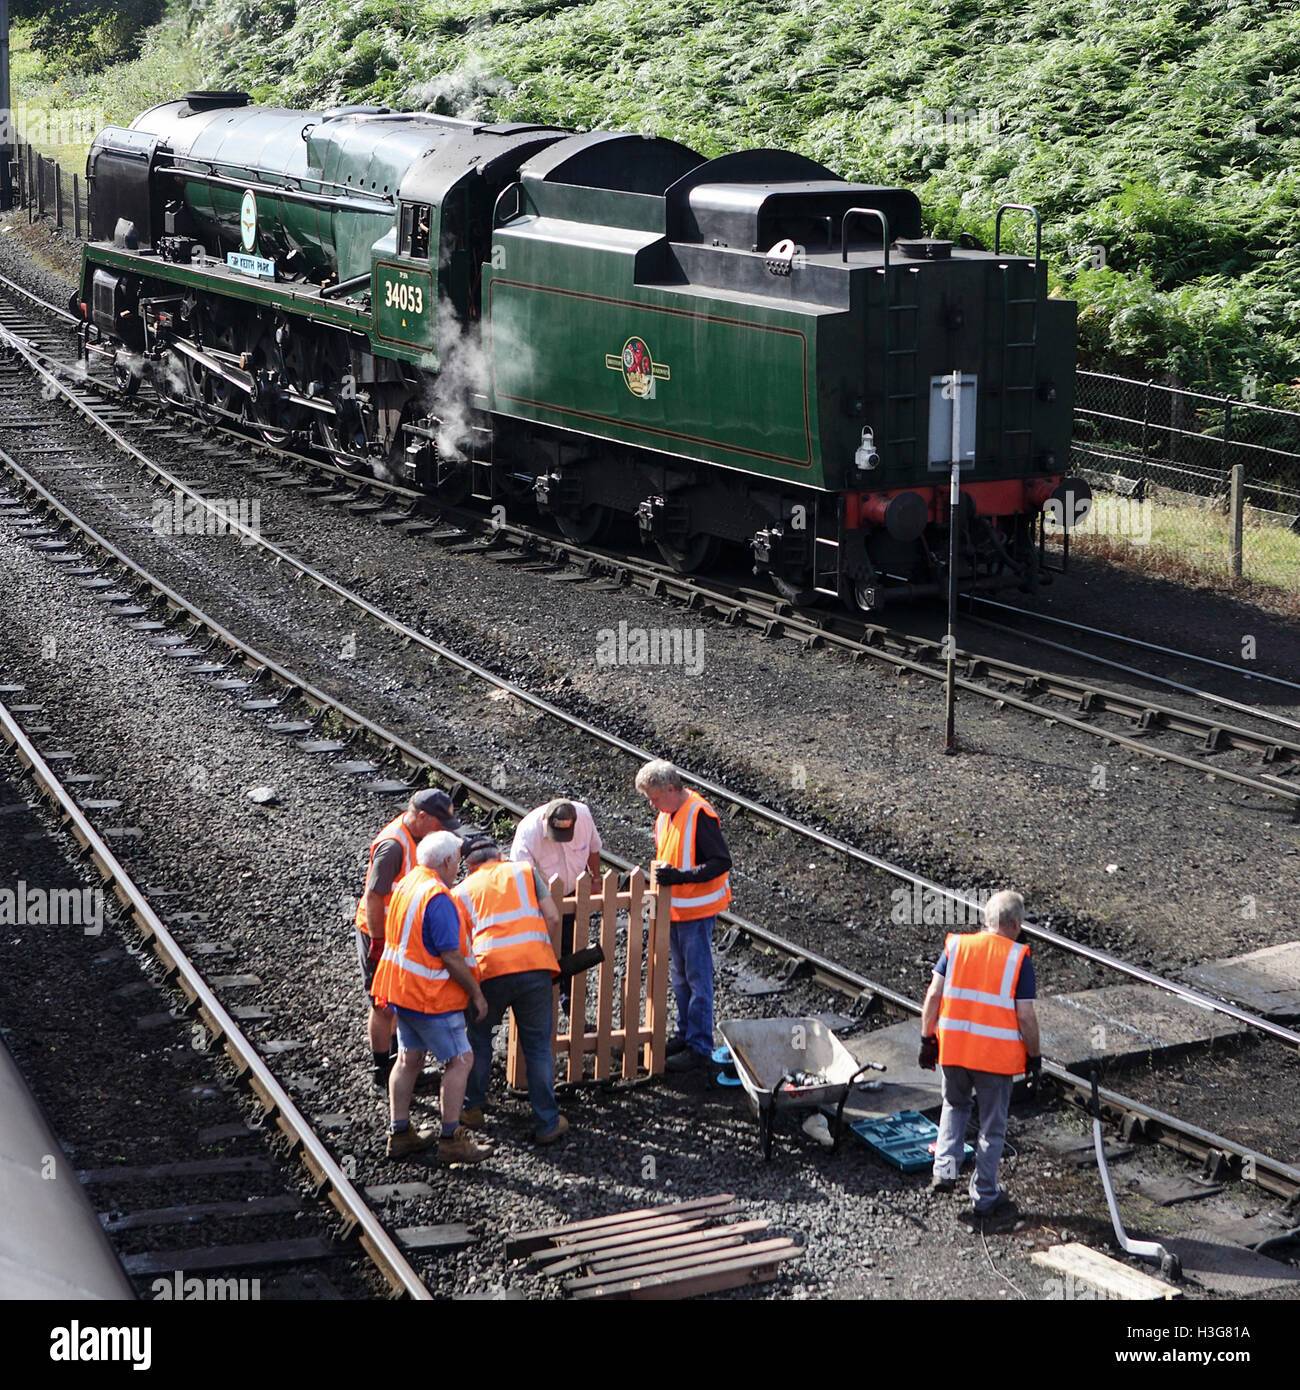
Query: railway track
{"x": 206, "y": 1009}
{"x": 493, "y": 803}
{"x": 1061, "y": 700}
{"x": 202, "y": 632}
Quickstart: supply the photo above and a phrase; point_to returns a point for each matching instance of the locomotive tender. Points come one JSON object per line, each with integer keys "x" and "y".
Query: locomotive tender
{"x": 744, "y": 349}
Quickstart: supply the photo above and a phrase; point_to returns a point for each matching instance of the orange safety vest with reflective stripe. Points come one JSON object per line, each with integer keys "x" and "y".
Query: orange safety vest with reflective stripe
{"x": 978, "y": 1028}
{"x": 509, "y": 932}
{"x": 675, "y": 845}
{"x": 394, "y": 830}
{"x": 407, "y": 975}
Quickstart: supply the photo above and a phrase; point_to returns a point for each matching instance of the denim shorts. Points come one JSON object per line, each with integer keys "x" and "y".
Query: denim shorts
{"x": 442, "y": 1034}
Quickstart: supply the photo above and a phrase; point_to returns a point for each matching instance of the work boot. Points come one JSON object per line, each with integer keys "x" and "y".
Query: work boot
{"x": 472, "y": 1117}
{"x": 410, "y": 1141}
{"x": 943, "y": 1184}
{"x": 380, "y": 1073}
{"x": 686, "y": 1060}
{"x": 462, "y": 1147}
{"x": 560, "y": 1130}
{"x": 673, "y": 1046}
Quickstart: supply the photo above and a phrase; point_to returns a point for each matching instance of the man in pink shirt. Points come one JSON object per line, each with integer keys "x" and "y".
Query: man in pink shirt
{"x": 560, "y": 840}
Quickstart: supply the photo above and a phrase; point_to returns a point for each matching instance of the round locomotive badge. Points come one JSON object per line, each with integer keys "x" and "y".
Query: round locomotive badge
{"x": 248, "y": 219}
{"x": 640, "y": 370}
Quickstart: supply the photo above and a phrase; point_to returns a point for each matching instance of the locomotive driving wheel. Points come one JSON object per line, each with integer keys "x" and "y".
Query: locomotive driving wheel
{"x": 217, "y": 391}
{"x": 695, "y": 553}
{"x": 587, "y": 526}
{"x": 279, "y": 361}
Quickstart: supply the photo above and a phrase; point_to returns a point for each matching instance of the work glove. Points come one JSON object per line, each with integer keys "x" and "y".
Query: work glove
{"x": 928, "y": 1057}
{"x": 667, "y": 876}
{"x": 1033, "y": 1075}
{"x": 376, "y": 949}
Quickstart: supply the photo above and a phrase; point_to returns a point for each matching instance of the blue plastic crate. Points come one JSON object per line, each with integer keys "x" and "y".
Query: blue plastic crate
{"x": 906, "y": 1140}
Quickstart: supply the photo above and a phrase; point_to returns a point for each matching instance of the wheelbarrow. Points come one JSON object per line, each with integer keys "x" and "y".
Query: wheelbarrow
{"x": 792, "y": 1064}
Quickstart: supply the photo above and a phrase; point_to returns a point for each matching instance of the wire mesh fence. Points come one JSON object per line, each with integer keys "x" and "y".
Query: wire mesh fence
{"x": 44, "y": 190}
{"x": 1212, "y": 483}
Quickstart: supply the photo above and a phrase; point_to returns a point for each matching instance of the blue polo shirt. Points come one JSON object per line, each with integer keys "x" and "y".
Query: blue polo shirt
{"x": 441, "y": 926}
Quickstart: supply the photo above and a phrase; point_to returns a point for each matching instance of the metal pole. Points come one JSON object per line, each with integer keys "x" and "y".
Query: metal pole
{"x": 7, "y": 132}
{"x": 58, "y": 196}
{"x": 1236, "y": 505}
{"x": 954, "y": 515}
{"x": 76, "y": 207}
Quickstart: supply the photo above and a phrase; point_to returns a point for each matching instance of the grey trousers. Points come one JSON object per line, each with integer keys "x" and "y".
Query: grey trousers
{"x": 993, "y": 1092}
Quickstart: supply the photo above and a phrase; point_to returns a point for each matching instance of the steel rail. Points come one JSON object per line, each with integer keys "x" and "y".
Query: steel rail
{"x": 747, "y": 804}
{"x": 313, "y": 1154}
{"x": 1134, "y": 642}
{"x": 1210, "y": 698}
{"x": 842, "y": 977}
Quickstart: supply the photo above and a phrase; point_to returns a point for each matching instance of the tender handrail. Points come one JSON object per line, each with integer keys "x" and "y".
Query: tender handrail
{"x": 1038, "y": 228}
{"x": 864, "y": 212}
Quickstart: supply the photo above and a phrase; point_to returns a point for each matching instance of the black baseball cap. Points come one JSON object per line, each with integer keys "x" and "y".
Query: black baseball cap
{"x": 561, "y": 821}
{"x": 435, "y": 803}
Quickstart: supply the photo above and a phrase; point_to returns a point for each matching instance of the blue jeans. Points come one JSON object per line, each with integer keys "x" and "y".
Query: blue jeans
{"x": 690, "y": 968}
{"x": 993, "y": 1091}
{"x": 528, "y": 997}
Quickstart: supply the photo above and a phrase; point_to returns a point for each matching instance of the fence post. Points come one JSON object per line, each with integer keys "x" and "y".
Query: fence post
{"x": 40, "y": 186}
{"x": 29, "y": 183}
{"x": 76, "y": 207}
{"x": 1236, "y": 505}
{"x": 58, "y": 196}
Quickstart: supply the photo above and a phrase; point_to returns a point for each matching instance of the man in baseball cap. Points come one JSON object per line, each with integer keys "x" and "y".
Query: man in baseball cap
{"x": 392, "y": 857}
{"x": 438, "y": 805}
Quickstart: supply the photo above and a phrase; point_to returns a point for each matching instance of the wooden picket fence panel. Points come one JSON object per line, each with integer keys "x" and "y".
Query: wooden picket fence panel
{"x": 641, "y": 1032}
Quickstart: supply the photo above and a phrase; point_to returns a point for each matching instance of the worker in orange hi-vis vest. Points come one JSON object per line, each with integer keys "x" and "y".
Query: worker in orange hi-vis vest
{"x": 392, "y": 857}
{"x": 978, "y": 1023}
{"x": 692, "y": 858}
{"x": 428, "y": 975}
{"x": 513, "y": 922}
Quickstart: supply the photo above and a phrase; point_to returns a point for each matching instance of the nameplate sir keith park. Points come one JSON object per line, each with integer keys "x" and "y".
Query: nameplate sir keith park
{"x": 250, "y": 265}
